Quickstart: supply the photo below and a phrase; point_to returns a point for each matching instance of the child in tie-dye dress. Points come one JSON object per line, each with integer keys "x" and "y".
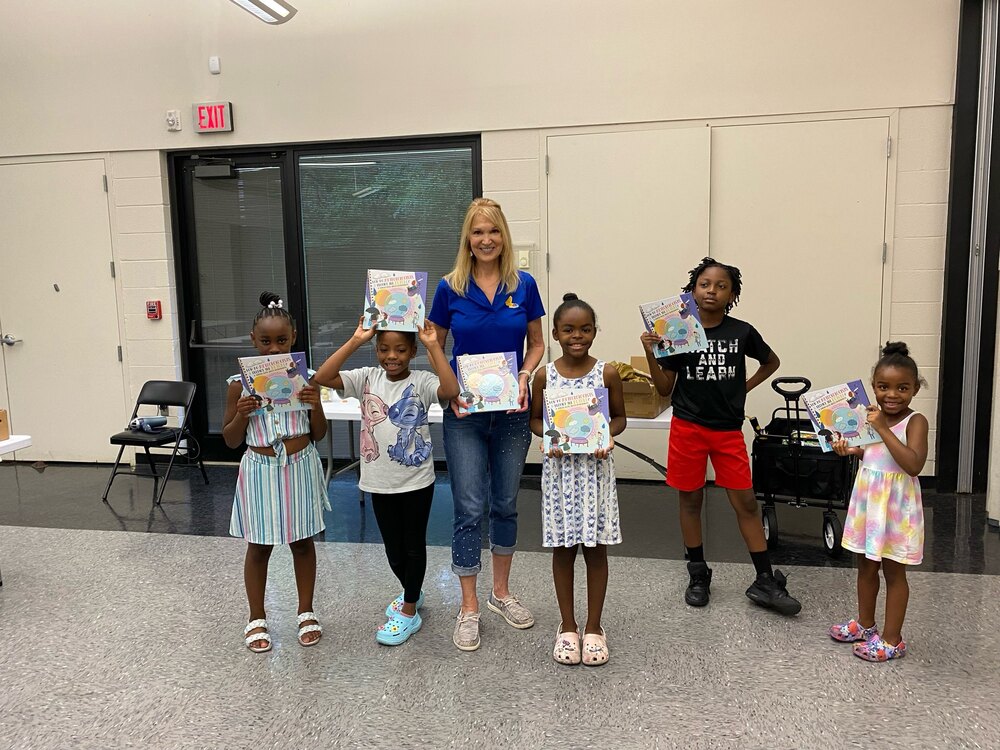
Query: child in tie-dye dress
{"x": 885, "y": 520}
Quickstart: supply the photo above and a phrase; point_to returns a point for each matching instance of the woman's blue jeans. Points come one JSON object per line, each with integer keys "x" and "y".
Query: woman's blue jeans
{"x": 485, "y": 453}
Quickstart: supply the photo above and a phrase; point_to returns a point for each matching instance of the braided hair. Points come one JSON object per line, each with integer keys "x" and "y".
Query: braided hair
{"x": 897, "y": 354}
{"x": 272, "y": 306}
{"x": 734, "y": 276}
{"x": 570, "y": 300}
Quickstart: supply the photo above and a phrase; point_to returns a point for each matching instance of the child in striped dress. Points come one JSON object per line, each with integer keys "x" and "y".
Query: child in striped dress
{"x": 885, "y": 520}
{"x": 281, "y": 491}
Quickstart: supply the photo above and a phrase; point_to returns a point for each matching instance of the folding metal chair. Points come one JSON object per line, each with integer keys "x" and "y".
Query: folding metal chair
{"x": 159, "y": 393}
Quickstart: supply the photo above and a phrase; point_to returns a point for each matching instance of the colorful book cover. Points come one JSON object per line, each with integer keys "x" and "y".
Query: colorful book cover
{"x": 676, "y": 321}
{"x": 840, "y": 413}
{"x": 274, "y": 380}
{"x": 394, "y": 300}
{"x": 576, "y": 419}
{"x": 488, "y": 381}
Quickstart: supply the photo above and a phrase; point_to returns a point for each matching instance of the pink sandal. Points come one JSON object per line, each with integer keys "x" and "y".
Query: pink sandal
{"x": 595, "y": 649}
{"x": 567, "y": 648}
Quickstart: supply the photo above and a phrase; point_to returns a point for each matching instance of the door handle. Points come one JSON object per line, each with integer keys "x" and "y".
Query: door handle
{"x": 9, "y": 340}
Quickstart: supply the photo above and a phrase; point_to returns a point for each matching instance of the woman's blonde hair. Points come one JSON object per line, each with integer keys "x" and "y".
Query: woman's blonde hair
{"x": 465, "y": 261}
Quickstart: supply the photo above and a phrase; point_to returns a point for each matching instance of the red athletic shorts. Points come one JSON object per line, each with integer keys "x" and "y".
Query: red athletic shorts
{"x": 691, "y": 445}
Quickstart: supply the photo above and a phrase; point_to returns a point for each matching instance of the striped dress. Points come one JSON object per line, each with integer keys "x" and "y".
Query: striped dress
{"x": 279, "y": 499}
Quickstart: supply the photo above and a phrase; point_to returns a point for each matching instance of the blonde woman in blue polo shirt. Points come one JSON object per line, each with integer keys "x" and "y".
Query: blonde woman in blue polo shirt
{"x": 488, "y": 306}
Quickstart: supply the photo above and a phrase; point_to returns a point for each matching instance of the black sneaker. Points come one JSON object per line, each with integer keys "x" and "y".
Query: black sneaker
{"x": 769, "y": 591}
{"x": 697, "y": 590}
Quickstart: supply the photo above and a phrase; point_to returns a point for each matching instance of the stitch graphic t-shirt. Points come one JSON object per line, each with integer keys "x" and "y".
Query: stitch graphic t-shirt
{"x": 711, "y": 388}
{"x": 395, "y": 449}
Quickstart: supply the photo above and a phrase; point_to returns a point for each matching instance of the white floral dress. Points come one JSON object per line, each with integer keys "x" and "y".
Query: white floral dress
{"x": 579, "y": 492}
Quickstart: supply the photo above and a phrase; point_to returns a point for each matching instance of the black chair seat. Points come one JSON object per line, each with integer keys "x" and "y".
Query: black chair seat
{"x": 138, "y": 439}
{"x": 159, "y": 393}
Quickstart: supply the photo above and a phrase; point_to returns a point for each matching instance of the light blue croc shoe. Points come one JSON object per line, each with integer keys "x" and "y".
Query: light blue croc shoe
{"x": 396, "y": 605}
{"x": 398, "y": 629}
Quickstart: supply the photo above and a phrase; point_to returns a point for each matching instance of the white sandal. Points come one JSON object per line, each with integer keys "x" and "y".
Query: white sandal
{"x": 303, "y": 629}
{"x": 567, "y": 648}
{"x": 265, "y": 636}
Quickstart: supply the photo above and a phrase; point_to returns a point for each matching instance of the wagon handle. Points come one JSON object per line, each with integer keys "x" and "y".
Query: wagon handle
{"x": 791, "y": 393}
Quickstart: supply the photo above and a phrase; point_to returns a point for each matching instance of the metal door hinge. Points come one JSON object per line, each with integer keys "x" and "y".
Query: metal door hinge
{"x": 546, "y": 163}
{"x": 104, "y": 179}
{"x": 112, "y": 269}
{"x": 885, "y": 251}
{"x": 546, "y": 261}
{"x": 119, "y": 353}
{"x": 888, "y": 147}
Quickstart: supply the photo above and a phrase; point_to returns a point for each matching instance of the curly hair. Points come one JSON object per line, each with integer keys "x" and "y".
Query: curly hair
{"x": 734, "y": 276}
{"x": 277, "y": 311}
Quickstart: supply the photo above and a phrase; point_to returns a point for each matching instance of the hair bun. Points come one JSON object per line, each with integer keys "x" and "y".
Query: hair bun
{"x": 266, "y": 298}
{"x": 569, "y": 296}
{"x": 896, "y": 347}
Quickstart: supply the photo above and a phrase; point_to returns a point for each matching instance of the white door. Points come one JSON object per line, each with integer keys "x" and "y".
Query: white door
{"x": 64, "y": 383}
{"x": 800, "y": 208}
{"x": 628, "y": 213}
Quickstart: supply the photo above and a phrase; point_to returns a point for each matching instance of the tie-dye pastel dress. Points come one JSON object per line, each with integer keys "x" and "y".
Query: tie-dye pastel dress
{"x": 886, "y": 515}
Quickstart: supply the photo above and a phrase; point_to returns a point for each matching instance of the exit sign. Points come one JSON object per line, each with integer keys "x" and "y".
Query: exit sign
{"x": 213, "y": 117}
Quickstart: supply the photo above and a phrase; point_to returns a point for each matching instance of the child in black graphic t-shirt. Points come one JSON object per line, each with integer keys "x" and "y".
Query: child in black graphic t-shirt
{"x": 709, "y": 391}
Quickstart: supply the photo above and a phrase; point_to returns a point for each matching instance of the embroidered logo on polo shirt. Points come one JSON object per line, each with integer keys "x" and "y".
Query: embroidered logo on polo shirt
{"x": 510, "y": 302}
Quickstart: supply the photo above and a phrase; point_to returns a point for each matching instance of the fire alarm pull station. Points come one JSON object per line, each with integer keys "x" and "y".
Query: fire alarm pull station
{"x": 153, "y": 309}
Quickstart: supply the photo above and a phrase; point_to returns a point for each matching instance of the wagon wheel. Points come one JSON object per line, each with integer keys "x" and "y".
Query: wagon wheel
{"x": 832, "y": 534}
{"x": 769, "y": 517}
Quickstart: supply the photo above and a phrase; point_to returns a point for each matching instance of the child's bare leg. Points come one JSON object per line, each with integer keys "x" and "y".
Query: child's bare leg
{"x": 563, "y": 561}
{"x": 744, "y": 502}
{"x": 897, "y": 594}
{"x": 868, "y": 585}
{"x": 597, "y": 585}
{"x": 255, "y": 579}
{"x": 304, "y": 562}
{"x": 690, "y": 513}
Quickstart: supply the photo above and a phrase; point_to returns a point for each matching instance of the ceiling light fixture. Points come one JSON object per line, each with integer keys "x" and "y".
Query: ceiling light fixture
{"x": 268, "y": 11}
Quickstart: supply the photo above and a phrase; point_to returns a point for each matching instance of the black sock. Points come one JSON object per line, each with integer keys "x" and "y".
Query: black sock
{"x": 762, "y": 562}
{"x": 696, "y": 554}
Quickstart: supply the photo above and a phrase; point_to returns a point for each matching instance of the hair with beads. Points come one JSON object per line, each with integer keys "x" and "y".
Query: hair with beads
{"x": 897, "y": 354}
{"x": 272, "y": 306}
{"x": 570, "y": 300}
{"x": 734, "y": 276}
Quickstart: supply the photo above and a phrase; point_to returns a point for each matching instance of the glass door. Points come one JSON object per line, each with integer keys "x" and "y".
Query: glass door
{"x": 235, "y": 241}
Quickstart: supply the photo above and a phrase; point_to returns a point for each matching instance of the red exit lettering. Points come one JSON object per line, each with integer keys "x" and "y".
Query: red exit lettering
{"x": 213, "y": 116}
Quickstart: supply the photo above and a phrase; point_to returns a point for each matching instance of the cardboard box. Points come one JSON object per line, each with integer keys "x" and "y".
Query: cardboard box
{"x": 641, "y": 398}
{"x": 4, "y": 425}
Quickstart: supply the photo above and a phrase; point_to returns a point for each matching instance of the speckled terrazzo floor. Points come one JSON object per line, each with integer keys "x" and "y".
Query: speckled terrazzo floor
{"x": 116, "y": 639}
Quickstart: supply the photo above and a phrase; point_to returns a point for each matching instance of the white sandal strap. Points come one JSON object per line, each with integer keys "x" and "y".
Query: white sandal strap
{"x": 261, "y": 623}
{"x": 307, "y": 616}
{"x": 258, "y": 637}
{"x": 310, "y": 629}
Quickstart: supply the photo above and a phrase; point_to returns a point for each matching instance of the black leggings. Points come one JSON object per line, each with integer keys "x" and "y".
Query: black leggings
{"x": 402, "y": 520}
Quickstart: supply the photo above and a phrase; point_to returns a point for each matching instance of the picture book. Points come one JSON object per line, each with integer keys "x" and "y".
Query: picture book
{"x": 274, "y": 380}
{"x": 488, "y": 381}
{"x": 840, "y": 413}
{"x": 676, "y": 321}
{"x": 576, "y": 419}
{"x": 394, "y": 300}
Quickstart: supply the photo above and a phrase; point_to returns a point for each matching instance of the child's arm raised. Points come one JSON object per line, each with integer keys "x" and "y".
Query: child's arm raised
{"x": 616, "y": 408}
{"x": 328, "y": 373}
{"x": 765, "y": 371}
{"x": 663, "y": 379}
{"x": 237, "y": 415}
{"x": 912, "y": 456}
{"x": 448, "y": 389}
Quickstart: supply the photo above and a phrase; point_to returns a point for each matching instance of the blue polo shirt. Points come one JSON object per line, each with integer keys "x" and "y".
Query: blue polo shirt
{"x": 480, "y": 327}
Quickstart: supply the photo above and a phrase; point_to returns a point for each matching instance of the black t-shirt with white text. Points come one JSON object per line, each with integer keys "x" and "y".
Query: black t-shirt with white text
{"x": 711, "y": 385}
